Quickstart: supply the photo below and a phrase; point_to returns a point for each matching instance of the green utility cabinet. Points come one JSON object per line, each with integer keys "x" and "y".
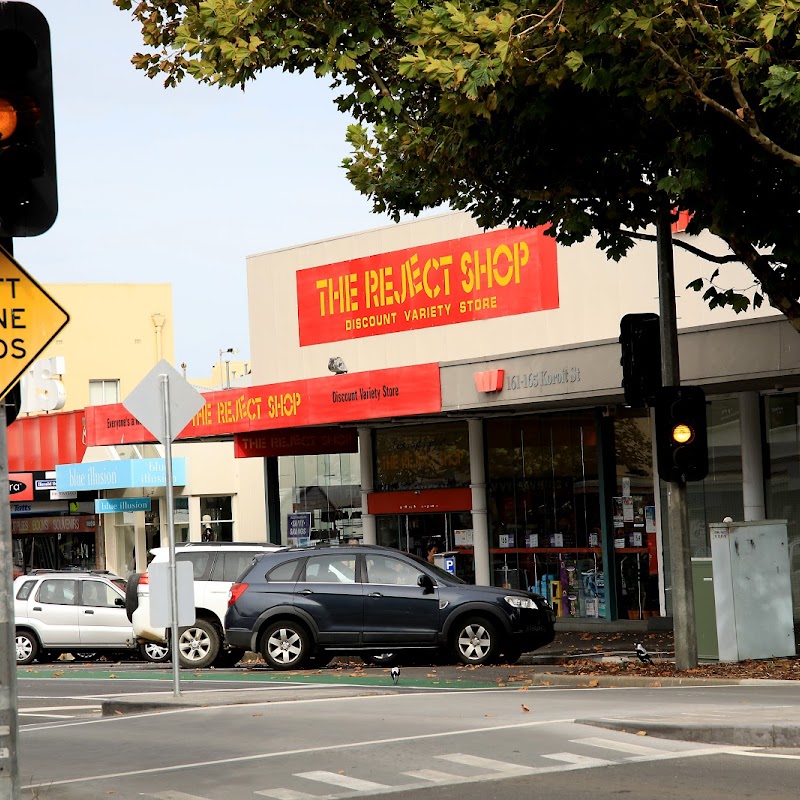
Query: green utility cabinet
{"x": 705, "y": 611}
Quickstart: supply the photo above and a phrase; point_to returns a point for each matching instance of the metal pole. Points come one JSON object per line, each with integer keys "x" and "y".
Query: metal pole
{"x": 9, "y": 769}
{"x": 677, "y": 508}
{"x": 228, "y": 374}
{"x": 173, "y": 573}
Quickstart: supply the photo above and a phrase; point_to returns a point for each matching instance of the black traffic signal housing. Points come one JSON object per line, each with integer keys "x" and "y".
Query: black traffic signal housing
{"x": 13, "y": 402}
{"x": 681, "y": 434}
{"x": 28, "y": 191}
{"x": 640, "y": 342}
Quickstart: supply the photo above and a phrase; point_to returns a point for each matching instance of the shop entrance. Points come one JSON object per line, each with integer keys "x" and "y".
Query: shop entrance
{"x": 415, "y": 533}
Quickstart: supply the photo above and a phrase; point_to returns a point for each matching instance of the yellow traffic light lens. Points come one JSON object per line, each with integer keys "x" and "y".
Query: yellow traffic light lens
{"x": 682, "y": 434}
{"x": 8, "y": 119}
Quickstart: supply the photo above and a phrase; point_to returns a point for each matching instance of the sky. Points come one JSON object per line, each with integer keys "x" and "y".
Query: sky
{"x": 181, "y": 185}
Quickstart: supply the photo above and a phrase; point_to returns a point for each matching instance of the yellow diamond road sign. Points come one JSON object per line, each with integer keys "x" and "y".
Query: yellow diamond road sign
{"x": 29, "y": 320}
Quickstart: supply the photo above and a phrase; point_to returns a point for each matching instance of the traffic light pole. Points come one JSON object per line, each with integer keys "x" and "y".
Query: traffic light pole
{"x": 9, "y": 726}
{"x": 677, "y": 508}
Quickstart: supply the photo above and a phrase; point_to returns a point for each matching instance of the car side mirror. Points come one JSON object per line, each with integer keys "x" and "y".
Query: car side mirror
{"x": 119, "y": 601}
{"x": 426, "y": 582}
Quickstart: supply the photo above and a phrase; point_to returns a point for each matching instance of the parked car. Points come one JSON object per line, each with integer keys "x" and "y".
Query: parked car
{"x": 77, "y": 612}
{"x": 215, "y": 566}
{"x": 377, "y": 603}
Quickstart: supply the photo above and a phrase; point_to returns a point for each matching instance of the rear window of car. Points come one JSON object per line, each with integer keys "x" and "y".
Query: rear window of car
{"x": 284, "y": 573}
{"x": 24, "y": 591}
{"x": 230, "y": 565}
{"x": 201, "y": 563}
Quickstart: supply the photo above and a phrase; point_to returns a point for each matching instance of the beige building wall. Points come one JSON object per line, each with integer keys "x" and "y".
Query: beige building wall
{"x": 117, "y": 331}
{"x": 594, "y": 294}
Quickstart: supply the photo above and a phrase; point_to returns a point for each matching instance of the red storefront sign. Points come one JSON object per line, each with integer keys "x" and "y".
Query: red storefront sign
{"x": 78, "y": 523}
{"x": 490, "y": 380}
{"x": 295, "y": 442}
{"x": 493, "y": 274}
{"x": 20, "y": 486}
{"x": 403, "y": 391}
{"x": 425, "y": 501}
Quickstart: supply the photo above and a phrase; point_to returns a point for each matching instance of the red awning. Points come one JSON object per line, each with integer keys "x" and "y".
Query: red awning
{"x": 41, "y": 442}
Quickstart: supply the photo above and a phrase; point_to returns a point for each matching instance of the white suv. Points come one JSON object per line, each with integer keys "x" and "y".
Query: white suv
{"x": 215, "y": 565}
{"x": 78, "y": 612}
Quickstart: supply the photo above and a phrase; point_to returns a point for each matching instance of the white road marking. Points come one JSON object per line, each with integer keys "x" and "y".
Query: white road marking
{"x": 486, "y": 763}
{"x": 764, "y": 754}
{"x": 283, "y": 753}
{"x": 343, "y": 781}
{"x": 433, "y": 775}
{"x": 286, "y": 794}
{"x": 59, "y": 708}
{"x": 578, "y": 761}
{"x": 170, "y": 795}
{"x": 622, "y": 747}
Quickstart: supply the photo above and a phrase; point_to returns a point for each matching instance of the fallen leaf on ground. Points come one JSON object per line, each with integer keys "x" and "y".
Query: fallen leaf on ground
{"x": 525, "y": 708}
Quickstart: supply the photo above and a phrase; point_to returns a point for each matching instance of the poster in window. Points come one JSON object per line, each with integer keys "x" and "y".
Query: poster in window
{"x": 619, "y": 519}
{"x": 650, "y": 519}
{"x": 627, "y": 509}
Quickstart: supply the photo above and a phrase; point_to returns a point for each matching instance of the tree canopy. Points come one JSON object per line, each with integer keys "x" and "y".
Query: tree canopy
{"x": 591, "y": 115}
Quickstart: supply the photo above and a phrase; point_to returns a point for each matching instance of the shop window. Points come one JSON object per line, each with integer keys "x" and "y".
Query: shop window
{"x": 434, "y": 456}
{"x": 103, "y": 392}
{"x": 216, "y": 515}
{"x": 544, "y": 509}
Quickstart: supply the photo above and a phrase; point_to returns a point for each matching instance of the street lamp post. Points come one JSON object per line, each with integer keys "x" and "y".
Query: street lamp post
{"x": 229, "y": 352}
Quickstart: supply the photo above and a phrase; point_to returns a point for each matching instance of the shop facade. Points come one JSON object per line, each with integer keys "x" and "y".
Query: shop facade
{"x": 532, "y": 472}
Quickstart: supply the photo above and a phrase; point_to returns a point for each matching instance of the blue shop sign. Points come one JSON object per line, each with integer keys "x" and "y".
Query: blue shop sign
{"x": 138, "y": 473}
{"x": 113, "y": 505}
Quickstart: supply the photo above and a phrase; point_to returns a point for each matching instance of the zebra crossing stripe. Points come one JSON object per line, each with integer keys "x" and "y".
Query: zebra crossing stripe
{"x": 286, "y": 794}
{"x": 170, "y": 795}
{"x": 343, "y": 781}
{"x": 578, "y": 761}
{"x": 487, "y": 763}
{"x": 622, "y": 747}
{"x": 433, "y": 775}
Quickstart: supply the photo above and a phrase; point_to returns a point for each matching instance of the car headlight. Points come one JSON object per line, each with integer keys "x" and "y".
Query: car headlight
{"x": 520, "y": 602}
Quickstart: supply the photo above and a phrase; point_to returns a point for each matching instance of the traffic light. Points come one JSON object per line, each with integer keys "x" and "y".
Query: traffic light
{"x": 640, "y": 340}
{"x": 28, "y": 193}
{"x": 13, "y": 402}
{"x": 681, "y": 436}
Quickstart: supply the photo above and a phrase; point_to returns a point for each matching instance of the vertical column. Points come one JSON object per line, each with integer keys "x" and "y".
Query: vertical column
{"x": 480, "y": 517}
{"x": 272, "y": 498}
{"x": 368, "y": 528}
{"x": 752, "y": 458}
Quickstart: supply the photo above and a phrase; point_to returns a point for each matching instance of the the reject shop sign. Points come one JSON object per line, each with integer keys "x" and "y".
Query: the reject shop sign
{"x": 492, "y": 274}
{"x": 404, "y": 391}
{"x": 20, "y": 486}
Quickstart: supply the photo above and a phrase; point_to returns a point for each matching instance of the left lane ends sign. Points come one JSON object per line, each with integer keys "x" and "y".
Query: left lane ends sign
{"x": 29, "y": 320}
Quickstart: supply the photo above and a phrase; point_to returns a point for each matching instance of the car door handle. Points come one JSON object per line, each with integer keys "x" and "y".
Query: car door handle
{"x": 88, "y": 611}
{"x": 305, "y": 591}
{"x": 37, "y": 608}
{"x": 375, "y": 594}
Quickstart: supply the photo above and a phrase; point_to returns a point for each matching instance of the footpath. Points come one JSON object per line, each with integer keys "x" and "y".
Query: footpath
{"x": 577, "y": 659}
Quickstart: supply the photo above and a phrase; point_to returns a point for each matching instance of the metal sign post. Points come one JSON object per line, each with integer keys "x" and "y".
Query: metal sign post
{"x": 161, "y": 398}
{"x": 173, "y": 578}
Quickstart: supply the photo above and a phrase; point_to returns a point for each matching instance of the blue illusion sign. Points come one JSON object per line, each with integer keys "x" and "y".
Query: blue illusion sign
{"x": 138, "y": 473}
{"x": 113, "y": 505}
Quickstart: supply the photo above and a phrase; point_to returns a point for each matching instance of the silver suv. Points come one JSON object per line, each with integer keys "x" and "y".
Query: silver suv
{"x": 215, "y": 566}
{"x": 77, "y": 612}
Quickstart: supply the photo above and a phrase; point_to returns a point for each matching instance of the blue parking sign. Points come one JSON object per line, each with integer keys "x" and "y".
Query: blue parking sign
{"x": 449, "y": 564}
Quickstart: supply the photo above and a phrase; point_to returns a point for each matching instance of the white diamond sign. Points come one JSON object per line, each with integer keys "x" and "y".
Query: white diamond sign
{"x": 146, "y": 401}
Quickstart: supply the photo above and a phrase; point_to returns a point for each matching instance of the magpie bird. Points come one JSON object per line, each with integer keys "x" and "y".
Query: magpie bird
{"x": 644, "y": 656}
{"x": 395, "y": 673}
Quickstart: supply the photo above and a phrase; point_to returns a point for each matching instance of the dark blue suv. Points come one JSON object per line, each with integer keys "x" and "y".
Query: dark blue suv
{"x": 370, "y": 601}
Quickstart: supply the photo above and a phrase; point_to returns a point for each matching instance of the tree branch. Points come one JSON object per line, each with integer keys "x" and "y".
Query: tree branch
{"x": 690, "y": 248}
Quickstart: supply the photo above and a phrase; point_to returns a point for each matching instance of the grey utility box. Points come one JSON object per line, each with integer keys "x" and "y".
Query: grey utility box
{"x": 752, "y": 589}
{"x": 705, "y": 610}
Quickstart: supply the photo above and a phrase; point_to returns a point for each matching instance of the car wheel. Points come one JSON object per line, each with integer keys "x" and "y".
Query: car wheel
{"x": 154, "y": 653}
{"x": 475, "y": 641}
{"x": 132, "y": 595}
{"x": 229, "y": 657}
{"x": 285, "y": 645}
{"x": 198, "y": 645}
{"x": 27, "y": 647}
